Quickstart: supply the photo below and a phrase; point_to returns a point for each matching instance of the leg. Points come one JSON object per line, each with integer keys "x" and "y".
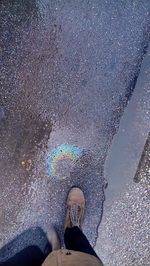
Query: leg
{"x": 76, "y": 240}
{"x": 30, "y": 256}
{"x": 74, "y": 237}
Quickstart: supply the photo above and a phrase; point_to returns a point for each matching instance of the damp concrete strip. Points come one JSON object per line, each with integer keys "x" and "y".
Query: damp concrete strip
{"x": 128, "y": 144}
{"x": 123, "y": 230}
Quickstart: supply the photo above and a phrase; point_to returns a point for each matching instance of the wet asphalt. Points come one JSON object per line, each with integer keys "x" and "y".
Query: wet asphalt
{"x": 68, "y": 70}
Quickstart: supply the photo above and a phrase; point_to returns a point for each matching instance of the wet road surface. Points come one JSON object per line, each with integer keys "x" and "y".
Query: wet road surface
{"x": 68, "y": 70}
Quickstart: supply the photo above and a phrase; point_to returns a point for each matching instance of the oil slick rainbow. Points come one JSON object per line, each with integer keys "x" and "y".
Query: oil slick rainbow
{"x": 62, "y": 159}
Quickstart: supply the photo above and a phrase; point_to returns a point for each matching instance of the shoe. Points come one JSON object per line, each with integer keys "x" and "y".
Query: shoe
{"x": 75, "y": 208}
{"x": 53, "y": 239}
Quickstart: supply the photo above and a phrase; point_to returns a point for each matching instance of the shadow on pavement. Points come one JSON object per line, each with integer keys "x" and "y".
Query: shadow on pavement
{"x": 35, "y": 245}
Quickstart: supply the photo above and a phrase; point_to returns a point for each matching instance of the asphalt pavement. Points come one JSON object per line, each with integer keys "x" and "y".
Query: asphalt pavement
{"x": 68, "y": 70}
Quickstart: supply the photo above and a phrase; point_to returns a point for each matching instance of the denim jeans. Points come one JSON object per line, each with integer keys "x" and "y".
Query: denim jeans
{"x": 32, "y": 256}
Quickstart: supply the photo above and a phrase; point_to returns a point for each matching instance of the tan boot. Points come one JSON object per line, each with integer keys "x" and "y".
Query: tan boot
{"x": 53, "y": 239}
{"x": 75, "y": 208}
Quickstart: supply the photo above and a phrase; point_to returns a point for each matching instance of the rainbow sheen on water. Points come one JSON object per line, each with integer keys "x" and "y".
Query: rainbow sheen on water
{"x": 61, "y": 160}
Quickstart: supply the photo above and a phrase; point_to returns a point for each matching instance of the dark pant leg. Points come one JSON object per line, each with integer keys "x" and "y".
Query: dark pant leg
{"x": 30, "y": 256}
{"x": 76, "y": 240}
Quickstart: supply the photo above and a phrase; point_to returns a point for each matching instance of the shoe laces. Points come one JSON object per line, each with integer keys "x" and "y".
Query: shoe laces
{"x": 75, "y": 215}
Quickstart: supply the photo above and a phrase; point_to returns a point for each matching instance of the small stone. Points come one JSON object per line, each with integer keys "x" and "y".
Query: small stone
{"x": 26, "y": 164}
